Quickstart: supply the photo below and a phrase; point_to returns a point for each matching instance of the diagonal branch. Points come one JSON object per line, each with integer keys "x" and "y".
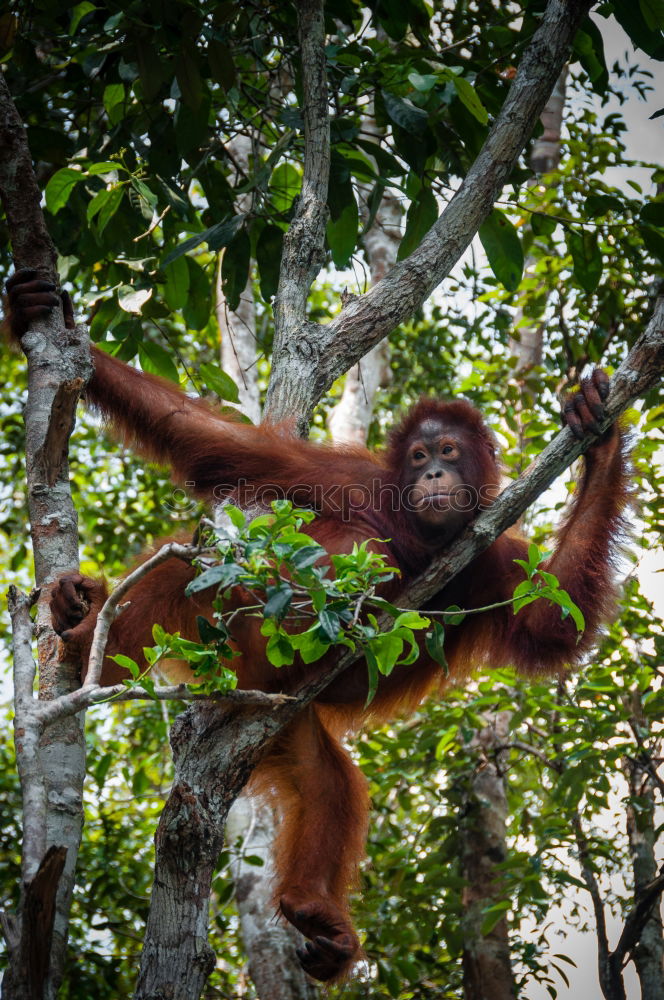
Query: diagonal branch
{"x": 364, "y": 320}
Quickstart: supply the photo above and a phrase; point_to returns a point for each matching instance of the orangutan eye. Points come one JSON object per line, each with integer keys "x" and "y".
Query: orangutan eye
{"x": 419, "y": 455}
{"x": 448, "y": 449}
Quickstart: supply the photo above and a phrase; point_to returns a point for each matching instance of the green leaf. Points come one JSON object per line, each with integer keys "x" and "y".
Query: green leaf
{"x": 285, "y": 184}
{"x": 97, "y": 203}
{"x": 654, "y": 240}
{"x": 422, "y": 214}
{"x": 157, "y": 361}
{"x": 307, "y": 556}
{"x": 653, "y": 13}
{"x": 127, "y": 663}
{"x": 387, "y": 164}
{"x": 589, "y": 48}
{"x": 235, "y": 268}
{"x": 176, "y": 286}
{"x": 223, "y": 575}
{"x": 405, "y": 114}
{"x": 342, "y": 234}
{"x": 269, "y": 247}
{"x": 503, "y": 248}
{"x": 309, "y": 645}
{"x": 279, "y": 650}
{"x": 114, "y": 95}
{"x": 632, "y": 18}
{"x": 468, "y": 97}
{"x": 446, "y": 742}
{"x": 652, "y": 213}
{"x": 411, "y": 620}
{"x": 132, "y": 300}
{"x": 373, "y": 675}
{"x": 597, "y": 205}
{"x": 542, "y": 225}
{"x": 210, "y": 633}
{"x": 78, "y": 12}
{"x": 109, "y": 207}
{"x": 219, "y": 382}
{"x": 104, "y": 168}
{"x": 191, "y": 124}
{"x": 278, "y": 601}
{"x": 328, "y": 625}
{"x": 152, "y": 69}
{"x": 220, "y": 59}
{"x": 60, "y": 186}
{"x": 196, "y": 310}
{"x": 386, "y": 648}
{"x": 216, "y": 237}
{"x": 422, "y": 82}
{"x": 189, "y": 77}
{"x": 586, "y": 257}
{"x": 494, "y": 914}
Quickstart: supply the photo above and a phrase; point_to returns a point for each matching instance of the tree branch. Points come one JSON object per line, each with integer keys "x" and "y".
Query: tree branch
{"x": 637, "y": 918}
{"x": 304, "y": 243}
{"x": 364, "y": 320}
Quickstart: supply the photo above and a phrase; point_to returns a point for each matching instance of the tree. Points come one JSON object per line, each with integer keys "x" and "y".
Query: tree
{"x": 142, "y": 158}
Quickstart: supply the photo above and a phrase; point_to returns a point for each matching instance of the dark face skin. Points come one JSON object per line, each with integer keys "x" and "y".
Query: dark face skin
{"x": 438, "y": 497}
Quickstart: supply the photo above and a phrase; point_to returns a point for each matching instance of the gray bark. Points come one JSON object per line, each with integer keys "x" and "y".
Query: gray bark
{"x": 487, "y": 967}
{"x": 349, "y": 420}
{"x": 544, "y": 157}
{"x": 51, "y": 779}
{"x": 648, "y": 952}
{"x": 238, "y": 328}
{"x": 304, "y": 243}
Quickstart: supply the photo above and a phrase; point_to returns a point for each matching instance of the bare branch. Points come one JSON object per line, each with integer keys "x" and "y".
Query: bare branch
{"x": 109, "y": 611}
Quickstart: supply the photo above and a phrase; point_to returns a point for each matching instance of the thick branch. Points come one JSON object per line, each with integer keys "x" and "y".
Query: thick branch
{"x": 304, "y": 243}
{"x": 637, "y": 918}
{"x": 364, "y": 321}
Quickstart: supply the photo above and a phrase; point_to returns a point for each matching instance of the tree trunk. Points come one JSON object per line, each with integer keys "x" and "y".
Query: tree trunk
{"x": 487, "y": 969}
{"x": 51, "y": 760}
{"x": 238, "y": 328}
{"x": 648, "y": 954}
{"x": 270, "y": 944}
{"x": 544, "y": 157}
{"x": 349, "y": 420}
